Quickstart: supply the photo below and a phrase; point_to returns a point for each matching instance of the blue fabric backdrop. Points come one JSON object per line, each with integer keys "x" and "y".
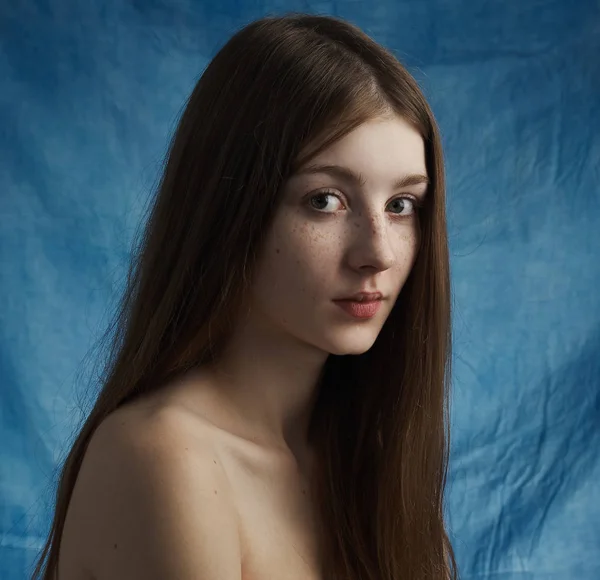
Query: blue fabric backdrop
{"x": 90, "y": 92}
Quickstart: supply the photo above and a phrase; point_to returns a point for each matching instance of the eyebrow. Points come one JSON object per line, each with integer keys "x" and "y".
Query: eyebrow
{"x": 350, "y": 176}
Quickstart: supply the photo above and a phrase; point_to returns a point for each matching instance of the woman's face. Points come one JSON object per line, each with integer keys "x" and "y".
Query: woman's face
{"x": 334, "y": 237}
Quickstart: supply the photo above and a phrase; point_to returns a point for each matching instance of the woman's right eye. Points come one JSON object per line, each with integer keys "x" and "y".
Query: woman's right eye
{"x": 326, "y": 202}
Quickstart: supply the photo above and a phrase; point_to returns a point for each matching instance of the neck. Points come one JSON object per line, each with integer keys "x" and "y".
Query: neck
{"x": 271, "y": 379}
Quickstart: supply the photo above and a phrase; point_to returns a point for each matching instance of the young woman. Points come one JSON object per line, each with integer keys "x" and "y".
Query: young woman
{"x": 275, "y": 402}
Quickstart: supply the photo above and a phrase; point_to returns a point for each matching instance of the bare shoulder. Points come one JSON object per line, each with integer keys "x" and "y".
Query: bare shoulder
{"x": 151, "y": 501}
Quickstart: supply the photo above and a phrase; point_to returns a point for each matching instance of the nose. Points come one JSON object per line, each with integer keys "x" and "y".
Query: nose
{"x": 371, "y": 248}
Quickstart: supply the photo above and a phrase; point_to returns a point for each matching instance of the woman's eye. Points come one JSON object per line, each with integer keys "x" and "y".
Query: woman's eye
{"x": 326, "y": 202}
{"x": 400, "y": 204}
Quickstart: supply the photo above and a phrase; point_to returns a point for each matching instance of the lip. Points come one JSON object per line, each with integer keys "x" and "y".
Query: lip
{"x": 363, "y": 305}
{"x": 363, "y": 297}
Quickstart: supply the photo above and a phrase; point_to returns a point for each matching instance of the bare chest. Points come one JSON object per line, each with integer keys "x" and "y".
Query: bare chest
{"x": 278, "y": 527}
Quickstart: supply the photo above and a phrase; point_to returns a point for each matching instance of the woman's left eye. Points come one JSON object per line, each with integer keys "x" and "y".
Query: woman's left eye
{"x": 399, "y": 204}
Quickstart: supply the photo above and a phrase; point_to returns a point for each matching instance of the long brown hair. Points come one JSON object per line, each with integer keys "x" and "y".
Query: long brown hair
{"x": 280, "y": 91}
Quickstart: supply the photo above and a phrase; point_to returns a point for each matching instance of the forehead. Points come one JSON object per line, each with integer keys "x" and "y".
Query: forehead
{"x": 378, "y": 151}
{"x": 379, "y": 148}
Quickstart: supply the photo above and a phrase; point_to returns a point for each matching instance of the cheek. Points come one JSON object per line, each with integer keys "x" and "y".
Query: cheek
{"x": 406, "y": 251}
{"x": 303, "y": 255}
{"x": 407, "y": 246}
{"x": 315, "y": 248}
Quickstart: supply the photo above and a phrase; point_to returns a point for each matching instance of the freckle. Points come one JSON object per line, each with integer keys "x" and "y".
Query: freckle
{"x": 115, "y": 547}
{"x": 277, "y": 250}
{"x": 215, "y": 492}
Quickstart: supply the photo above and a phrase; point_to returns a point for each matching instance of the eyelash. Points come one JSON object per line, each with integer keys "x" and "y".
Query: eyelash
{"x": 417, "y": 203}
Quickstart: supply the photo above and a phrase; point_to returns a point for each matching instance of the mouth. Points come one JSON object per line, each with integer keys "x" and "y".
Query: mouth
{"x": 363, "y": 305}
{"x": 365, "y": 297}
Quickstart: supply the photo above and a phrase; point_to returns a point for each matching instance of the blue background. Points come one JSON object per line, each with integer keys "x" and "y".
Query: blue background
{"x": 90, "y": 93}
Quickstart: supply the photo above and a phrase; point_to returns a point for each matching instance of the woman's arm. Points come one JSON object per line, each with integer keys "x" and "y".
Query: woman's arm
{"x": 151, "y": 502}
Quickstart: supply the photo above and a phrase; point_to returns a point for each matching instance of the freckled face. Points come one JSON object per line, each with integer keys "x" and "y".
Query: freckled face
{"x": 333, "y": 237}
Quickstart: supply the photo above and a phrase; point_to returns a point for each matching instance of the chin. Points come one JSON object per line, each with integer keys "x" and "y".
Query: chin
{"x": 354, "y": 342}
